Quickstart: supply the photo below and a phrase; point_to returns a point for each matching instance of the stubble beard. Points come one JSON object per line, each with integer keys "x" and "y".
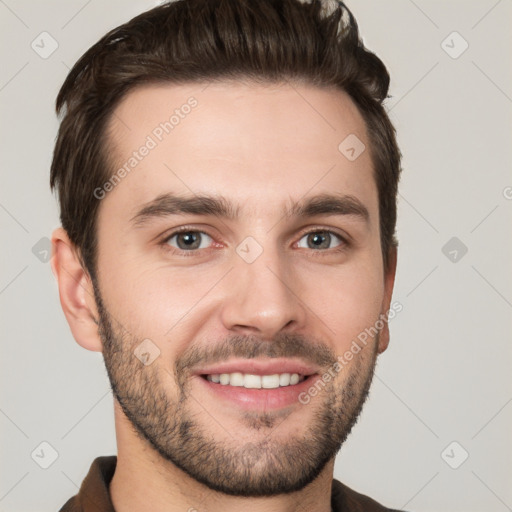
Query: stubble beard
{"x": 270, "y": 465}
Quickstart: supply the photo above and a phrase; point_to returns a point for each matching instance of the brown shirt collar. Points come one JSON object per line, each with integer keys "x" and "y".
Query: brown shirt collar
{"x": 94, "y": 495}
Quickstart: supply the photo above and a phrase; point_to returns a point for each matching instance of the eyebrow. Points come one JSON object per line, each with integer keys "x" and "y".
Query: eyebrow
{"x": 218, "y": 206}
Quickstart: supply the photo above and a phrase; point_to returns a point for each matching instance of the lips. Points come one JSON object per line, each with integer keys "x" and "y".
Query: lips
{"x": 267, "y": 383}
{"x": 259, "y": 367}
{"x": 253, "y": 399}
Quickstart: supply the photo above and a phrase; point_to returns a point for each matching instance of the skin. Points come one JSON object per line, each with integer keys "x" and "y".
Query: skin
{"x": 261, "y": 147}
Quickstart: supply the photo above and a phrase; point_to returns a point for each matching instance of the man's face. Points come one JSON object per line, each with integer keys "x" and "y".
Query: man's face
{"x": 257, "y": 274}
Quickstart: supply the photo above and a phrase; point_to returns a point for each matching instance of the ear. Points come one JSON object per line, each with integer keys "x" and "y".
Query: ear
{"x": 389, "y": 282}
{"x": 76, "y": 292}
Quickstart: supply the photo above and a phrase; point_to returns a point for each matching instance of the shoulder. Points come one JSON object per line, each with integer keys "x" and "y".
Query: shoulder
{"x": 345, "y": 499}
{"x": 94, "y": 488}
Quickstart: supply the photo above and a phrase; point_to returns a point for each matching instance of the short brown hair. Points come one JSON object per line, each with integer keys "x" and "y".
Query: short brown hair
{"x": 315, "y": 42}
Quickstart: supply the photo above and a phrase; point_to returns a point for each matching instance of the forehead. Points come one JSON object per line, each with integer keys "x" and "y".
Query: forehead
{"x": 245, "y": 141}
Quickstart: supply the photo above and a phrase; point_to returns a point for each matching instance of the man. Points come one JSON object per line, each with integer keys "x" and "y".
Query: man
{"x": 227, "y": 178}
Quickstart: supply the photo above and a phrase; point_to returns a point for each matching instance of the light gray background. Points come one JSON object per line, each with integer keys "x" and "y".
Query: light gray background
{"x": 446, "y": 374}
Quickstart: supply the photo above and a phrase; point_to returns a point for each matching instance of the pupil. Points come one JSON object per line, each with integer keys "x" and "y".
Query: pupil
{"x": 320, "y": 239}
{"x": 189, "y": 240}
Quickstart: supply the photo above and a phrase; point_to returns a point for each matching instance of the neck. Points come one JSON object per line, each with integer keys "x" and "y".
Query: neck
{"x": 142, "y": 477}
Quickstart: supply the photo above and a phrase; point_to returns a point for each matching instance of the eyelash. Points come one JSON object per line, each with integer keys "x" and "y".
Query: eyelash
{"x": 186, "y": 229}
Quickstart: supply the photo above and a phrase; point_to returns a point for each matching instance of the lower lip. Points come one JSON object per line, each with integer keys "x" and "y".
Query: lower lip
{"x": 251, "y": 399}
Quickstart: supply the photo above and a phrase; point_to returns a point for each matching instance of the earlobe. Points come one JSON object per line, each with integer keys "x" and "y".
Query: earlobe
{"x": 76, "y": 292}
{"x": 389, "y": 282}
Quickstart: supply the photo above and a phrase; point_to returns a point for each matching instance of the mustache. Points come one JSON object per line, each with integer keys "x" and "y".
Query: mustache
{"x": 284, "y": 345}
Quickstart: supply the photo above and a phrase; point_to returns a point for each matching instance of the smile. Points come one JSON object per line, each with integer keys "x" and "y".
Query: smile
{"x": 251, "y": 381}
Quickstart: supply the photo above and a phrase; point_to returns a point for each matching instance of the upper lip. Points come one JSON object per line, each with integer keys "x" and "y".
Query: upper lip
{"x": 259, "y": 367}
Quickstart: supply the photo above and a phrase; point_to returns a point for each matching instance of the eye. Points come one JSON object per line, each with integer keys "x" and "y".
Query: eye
{"x": 189, "y": 240}
{"x": 320, "y": 240}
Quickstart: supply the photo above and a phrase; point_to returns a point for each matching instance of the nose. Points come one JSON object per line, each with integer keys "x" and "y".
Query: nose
{"x": 263, "y": 297}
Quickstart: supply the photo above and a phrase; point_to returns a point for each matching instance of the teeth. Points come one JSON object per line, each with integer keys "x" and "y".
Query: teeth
{"x": 270, "y": 381}
{"x": 284, "y": 379}
{"x": 235, "y": 379}
{"x": 294, "y": 379}
{"x": 250, "y": 381}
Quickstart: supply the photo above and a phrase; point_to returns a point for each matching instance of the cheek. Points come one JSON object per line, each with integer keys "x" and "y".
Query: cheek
{"x": 158, "y": 302}
{"x": 347, "y": 300}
